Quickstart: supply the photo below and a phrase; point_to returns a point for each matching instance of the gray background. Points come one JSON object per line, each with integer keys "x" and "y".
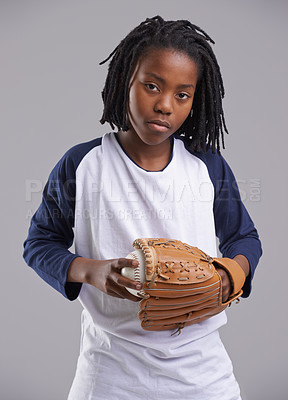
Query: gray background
{"x": 50, "y": 100}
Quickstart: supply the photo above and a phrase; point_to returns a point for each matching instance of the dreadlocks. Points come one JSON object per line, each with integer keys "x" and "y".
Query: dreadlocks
{"x": 205, "y": 125}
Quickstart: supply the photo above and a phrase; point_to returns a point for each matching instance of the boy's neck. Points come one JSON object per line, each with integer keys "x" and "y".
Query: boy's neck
{"x": 149, "y": 157}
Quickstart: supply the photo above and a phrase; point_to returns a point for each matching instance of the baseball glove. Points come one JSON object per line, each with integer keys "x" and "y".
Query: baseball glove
{"x": 181, "y": 285}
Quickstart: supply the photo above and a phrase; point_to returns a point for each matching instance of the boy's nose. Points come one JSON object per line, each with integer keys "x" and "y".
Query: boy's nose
{"x": 164, "y": 105}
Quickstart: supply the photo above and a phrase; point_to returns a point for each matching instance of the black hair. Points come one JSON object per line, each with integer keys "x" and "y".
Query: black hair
{"x": 205, "y": 125}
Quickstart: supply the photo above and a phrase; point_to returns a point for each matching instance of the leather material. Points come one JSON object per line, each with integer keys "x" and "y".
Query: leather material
{"x": 182, "y": 285}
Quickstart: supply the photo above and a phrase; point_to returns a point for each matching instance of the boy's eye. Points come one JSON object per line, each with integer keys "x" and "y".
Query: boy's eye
{"x": 152, "y": 87}
{"x": 183, "y": 96}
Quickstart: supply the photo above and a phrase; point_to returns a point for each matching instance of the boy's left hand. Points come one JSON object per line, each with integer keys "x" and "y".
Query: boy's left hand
{"x": 226, "y": 284}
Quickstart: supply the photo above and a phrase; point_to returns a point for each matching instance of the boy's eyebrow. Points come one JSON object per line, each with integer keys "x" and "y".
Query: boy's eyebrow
{"x": 183, "y": 86}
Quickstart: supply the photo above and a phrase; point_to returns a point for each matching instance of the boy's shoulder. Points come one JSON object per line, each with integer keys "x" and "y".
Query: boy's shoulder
{"x": 78, "y": 151}
{"x": 69, "y": 162}
{"x": 214, "y": 162}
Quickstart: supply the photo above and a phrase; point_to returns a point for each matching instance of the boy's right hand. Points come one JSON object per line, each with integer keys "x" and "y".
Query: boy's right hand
{"x": 105, "y": 275}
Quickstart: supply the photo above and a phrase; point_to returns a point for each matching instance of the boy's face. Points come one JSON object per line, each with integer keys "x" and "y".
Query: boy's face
{"x": 161, "y": 93}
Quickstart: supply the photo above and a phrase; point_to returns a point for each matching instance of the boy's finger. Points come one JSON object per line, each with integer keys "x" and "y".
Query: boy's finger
{"x": 122, "y": 292}
{"x": 127, "y": 262}
{"x": 129, "y": 283}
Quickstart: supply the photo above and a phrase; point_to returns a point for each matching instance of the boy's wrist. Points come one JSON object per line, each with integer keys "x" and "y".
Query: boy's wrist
{"x": 79, "y": 270}
{"x": 243, "y": 262}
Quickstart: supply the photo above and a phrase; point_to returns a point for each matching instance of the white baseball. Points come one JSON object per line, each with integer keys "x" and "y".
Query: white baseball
{"x": 137, "y": 274}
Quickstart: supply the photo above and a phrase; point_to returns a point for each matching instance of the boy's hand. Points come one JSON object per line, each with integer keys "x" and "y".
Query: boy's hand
{"x": 226, "y": 284}
{"x": 105, "y": 275}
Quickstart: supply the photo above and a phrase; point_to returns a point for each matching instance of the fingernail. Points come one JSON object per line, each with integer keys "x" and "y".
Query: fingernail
{"x": 138, "y": 287}
{"x": 136, "y": 263}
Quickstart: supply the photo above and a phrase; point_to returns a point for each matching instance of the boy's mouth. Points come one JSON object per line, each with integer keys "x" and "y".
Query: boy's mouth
{"x": 159, "y": 125}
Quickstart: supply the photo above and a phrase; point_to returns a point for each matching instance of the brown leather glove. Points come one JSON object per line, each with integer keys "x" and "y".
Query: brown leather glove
{"x": 182, "y": 286}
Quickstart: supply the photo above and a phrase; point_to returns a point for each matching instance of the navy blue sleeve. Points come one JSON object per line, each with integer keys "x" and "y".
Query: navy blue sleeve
{"x": 50, "y": 235}
{"x": 234, "y": 228}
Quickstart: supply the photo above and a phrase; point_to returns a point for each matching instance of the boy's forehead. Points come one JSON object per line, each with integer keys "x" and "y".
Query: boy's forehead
{"x": 155, "y": 54}
{"x": 158, "y": 63}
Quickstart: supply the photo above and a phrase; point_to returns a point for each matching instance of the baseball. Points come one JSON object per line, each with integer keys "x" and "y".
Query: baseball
{"x": 137, "y": 274}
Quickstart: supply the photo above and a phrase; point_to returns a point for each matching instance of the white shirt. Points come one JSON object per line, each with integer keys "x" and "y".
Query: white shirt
{"x": 117, "y": 202}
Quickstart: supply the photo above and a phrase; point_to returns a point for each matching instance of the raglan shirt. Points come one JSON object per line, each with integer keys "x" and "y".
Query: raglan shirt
{"x": 98, "y": 198}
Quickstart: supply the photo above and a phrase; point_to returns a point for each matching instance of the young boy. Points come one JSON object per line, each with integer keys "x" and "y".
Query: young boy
{"x": 156, "y": 176}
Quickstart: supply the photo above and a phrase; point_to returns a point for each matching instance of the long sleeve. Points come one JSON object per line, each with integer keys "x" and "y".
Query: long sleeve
{"x": 234, "y": 227}
{"x": 50, "y": 236}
